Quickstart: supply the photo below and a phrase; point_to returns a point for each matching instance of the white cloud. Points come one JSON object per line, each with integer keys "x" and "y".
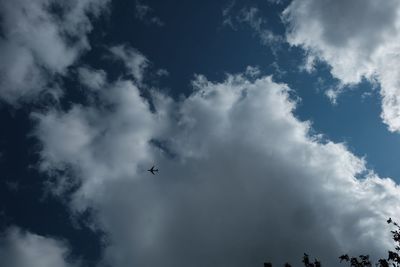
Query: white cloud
{"x": 36, "y": 43}
{"x": 118, "y": 128}
{"x": 358, "y": 39}
{"x": 241, "y": 180}
{"x": 93, "y": 79}
{"x": 134, "y": 61}
{"x": 23, "y": 249}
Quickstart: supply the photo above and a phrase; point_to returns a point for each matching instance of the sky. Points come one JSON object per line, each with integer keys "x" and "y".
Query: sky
{"x": 274, "y": 124}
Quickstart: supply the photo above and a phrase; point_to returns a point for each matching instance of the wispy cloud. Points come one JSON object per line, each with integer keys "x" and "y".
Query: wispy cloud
{"x": 92, "y": 79}
{"x": 251, "y": 17}
{"x": 134, "y": 61}
{"x": 228, "y": 20}
{"x": 144, "y": 13}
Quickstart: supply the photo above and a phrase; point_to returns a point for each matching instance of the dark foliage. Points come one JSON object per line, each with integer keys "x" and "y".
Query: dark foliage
{"x": 393, "y": 259}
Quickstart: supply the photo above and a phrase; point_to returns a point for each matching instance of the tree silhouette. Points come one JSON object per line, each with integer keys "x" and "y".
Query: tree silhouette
{"x": 393, "y": 258}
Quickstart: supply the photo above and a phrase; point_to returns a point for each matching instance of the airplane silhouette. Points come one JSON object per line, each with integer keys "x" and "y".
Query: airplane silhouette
{"x": 152, "y": 170}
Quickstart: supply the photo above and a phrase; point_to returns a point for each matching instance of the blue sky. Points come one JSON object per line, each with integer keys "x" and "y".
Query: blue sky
{"x": 263, "y": 117}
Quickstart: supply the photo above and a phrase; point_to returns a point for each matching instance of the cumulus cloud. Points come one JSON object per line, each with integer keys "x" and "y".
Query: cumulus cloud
{"x": 358, "y": 39}
{"x": 22, "y": 249}
{"x": 241, "y": 179}
{"x": 40, "y": 39}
